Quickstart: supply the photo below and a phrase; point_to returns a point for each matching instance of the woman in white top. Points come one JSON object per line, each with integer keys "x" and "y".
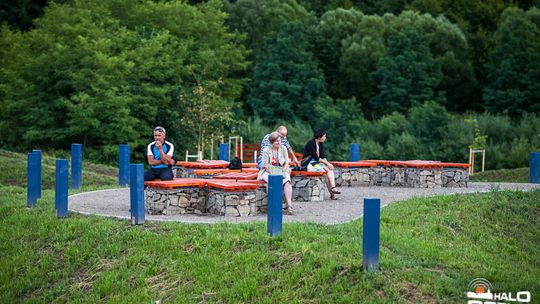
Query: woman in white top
{"x": 275, "y": 160}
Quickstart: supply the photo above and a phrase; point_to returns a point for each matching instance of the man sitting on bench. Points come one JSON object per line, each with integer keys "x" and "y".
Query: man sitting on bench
{"x": 160, "y": 157}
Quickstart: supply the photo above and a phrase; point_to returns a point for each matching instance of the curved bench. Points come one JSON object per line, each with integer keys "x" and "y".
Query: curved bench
{"x": 396, "y": 173}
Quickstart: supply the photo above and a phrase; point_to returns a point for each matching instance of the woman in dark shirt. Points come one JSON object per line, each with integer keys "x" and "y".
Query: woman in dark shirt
{"x": 315, "y": 160}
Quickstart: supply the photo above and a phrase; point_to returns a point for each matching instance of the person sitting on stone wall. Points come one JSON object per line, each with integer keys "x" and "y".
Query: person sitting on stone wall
{"x": 160, "y": 157}
{"x": 315, "y": 161}
{"x": 275, "y": 160}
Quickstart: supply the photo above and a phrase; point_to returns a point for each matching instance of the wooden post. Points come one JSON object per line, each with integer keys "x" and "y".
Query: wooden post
{"x": 212, "y": 148}
{"x": 483, "y": 159}
{"x": 472, "y": 166}
{"x": 470, "y": 161}
{"x": 229, "y": 156}
{"x": 241, "y": 148}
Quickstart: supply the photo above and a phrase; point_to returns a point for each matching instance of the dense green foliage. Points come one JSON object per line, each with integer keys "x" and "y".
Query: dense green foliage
{"x": 431, "y": 248}
{"x": 103, "y": 73}
{"x": 106, "y": 72}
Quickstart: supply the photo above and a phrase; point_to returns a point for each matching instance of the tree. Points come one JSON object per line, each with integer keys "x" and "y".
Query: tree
{"x": 261, "y": 19}
{"x": 286, "y": 79}
{"x": 333, "y": 27}
{"x": 407, "y": 76}
{"x": 205, "y": 113}
{"x": 103, "y": 73}
{"x": 513, "y": 71}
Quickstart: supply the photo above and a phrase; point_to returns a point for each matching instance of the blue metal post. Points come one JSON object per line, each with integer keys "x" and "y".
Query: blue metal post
{"x": 275, "y": 211}
{"x": 371, "y": 233}
{"x": 61, "y": 188}
{"x": 224, "y": 152}
{"x": 136, "y": 185}
{"x": 39, "y": 174}
{"x": 123, "y": 165}
{"x": 32, "y": 185}
{"x": 76, "y": 166}
{"x": 355, "y": 152}
{"x": 535, "y": 168}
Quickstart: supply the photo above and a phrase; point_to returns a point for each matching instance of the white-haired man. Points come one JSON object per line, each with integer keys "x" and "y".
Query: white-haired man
{"x": 160, "y": 157}
{"x": 282, "y": 130}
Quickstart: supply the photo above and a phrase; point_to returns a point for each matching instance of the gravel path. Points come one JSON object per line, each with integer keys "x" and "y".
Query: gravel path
{"x": 115, "y": 203}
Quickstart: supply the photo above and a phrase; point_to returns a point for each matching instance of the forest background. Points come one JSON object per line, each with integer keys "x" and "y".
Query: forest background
{"x": 421, "y": 79}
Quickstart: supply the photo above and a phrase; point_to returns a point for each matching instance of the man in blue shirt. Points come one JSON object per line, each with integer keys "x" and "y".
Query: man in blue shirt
{"x": 160, "y": 157}
{"x": 284, "y": 142}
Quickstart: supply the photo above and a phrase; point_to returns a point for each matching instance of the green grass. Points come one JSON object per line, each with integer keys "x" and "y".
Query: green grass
{"x": 13, "y": 171}
{"x": 519, "y": 175}
{"x": 430, "y": 250}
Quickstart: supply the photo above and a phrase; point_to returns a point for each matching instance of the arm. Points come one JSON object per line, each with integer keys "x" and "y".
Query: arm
{"x": 327, "y": 163}
{"x": 166, "y": 158}
{"x": 266, "y": 160}
{"x": 286, "y": 165}
{"x": 285, "y": 143}
{"x": 295, "y": 160}
{"x": 323, "y": 159}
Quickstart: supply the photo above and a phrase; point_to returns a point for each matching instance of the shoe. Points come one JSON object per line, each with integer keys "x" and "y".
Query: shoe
{"x": 290, "y": 210}
{"x": 333, "y": 196}
{"x": 333, "y": 190}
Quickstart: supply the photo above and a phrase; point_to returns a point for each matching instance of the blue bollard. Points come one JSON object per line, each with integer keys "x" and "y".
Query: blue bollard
{"x": 136, "y": 191}
{"x": 224, "y": 152}
{"x": 32, "y": 192}
{"x": 61, "y": 188}
{"x": 123, "y": 165}
{"x": 355, "y": 152}
{"x": 39, "y": 174}
{"x": 76, "y": 166}
{"x": 371, "y": 233}
{"x": 275, "y": 211}
{"x": 534, "y": 176}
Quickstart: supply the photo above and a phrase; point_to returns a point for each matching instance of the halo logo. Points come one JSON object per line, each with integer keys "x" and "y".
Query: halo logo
{"x": 482, "y": 294}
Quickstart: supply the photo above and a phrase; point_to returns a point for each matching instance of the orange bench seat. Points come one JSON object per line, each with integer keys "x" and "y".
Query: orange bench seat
{"x": 240, "y": 175}
{"x": 204, "y": 164}
{"x": 354, "y": 164}
{"x": 176, "y": 183}
{"x": 231, "y": 185}
{"x": 417, "y": 164}
{"x": 306, "y": 173}
{"x": 213, "y": 171}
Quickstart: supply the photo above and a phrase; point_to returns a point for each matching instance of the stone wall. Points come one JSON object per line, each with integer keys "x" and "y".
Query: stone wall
{"x": 183, "y": 172}
{"x": 308, "y": 189}
{"x": 402, "y": 177}
{"x": 175, "y": 201}
{"x": 204, "y": 200}
{"x": 231, "y": 203}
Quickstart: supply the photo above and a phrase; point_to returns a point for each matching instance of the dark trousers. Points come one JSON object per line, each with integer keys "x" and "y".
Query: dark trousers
{"x": 159, "y": 173}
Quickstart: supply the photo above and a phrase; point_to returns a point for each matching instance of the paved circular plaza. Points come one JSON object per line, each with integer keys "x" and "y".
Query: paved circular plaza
{"x": 116, "y": 203}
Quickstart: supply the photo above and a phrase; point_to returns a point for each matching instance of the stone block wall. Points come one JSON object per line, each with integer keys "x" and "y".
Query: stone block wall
{"x": 204, "y": 200}
{"x": 402, "y": 177}
{"x": 231, "y": 203}
{"x": 175, "y": 201}
{"x": 308, "y": 189}
{"x": 183, "y": 172}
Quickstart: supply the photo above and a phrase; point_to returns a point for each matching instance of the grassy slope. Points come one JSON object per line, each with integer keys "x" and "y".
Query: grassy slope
{"x": 519, "y": 175}
{"x": 430, "y": 250}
